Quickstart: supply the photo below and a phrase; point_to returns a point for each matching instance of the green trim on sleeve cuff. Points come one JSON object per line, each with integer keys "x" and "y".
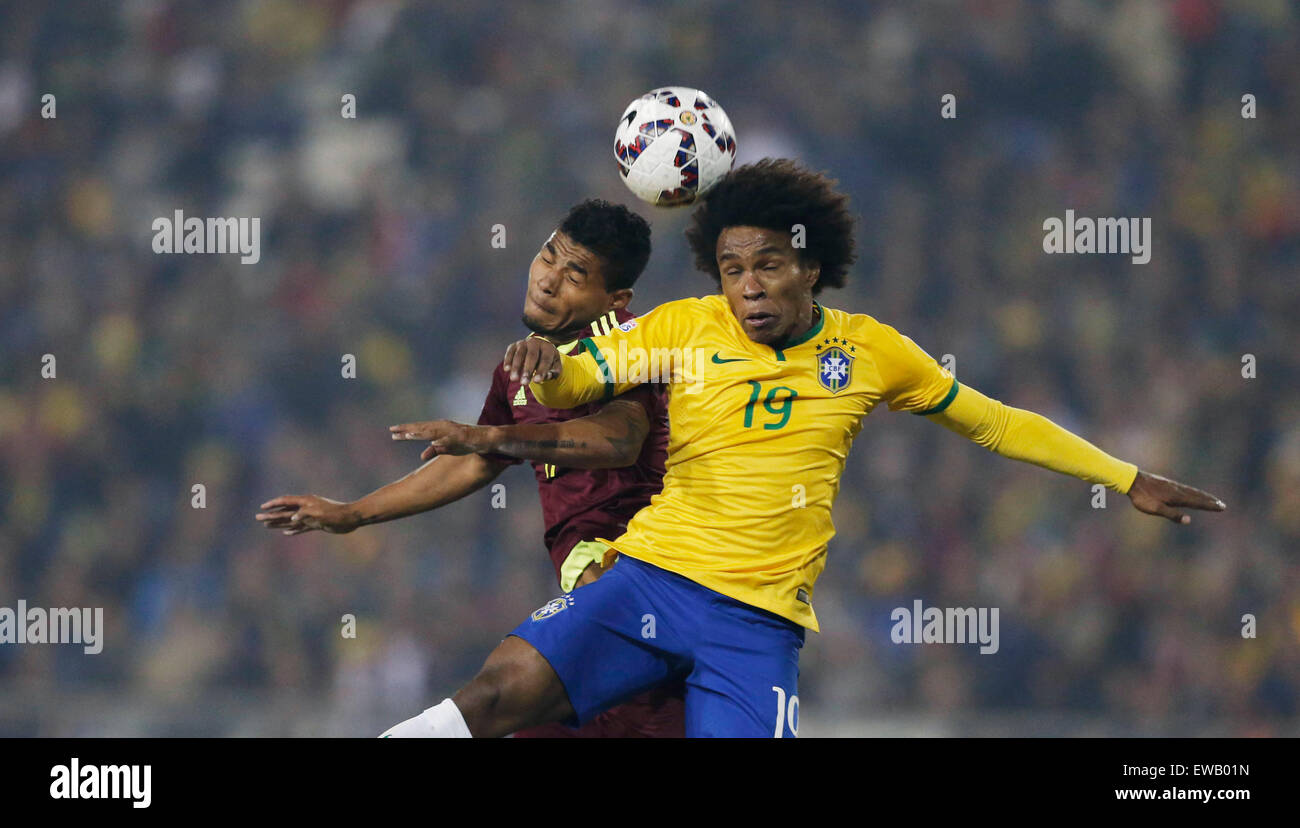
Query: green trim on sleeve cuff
{"x": 604, "y": 368}
{"x": 944, "y": 403}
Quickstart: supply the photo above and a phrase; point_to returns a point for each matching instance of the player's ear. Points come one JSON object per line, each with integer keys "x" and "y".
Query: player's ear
{"x": 619, "y": 299}
{"x": 812, "y": 273}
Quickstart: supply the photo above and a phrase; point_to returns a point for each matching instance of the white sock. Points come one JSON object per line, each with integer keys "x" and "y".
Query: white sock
{"x": 442, "y": 721}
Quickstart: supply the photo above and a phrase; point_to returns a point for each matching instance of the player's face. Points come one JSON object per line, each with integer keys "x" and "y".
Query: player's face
{"x": 566, "y": 288}
{"x": 768, "y": 288}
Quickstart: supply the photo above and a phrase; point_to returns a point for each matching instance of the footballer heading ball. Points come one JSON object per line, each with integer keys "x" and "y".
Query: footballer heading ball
{"x": 673, "y": 144}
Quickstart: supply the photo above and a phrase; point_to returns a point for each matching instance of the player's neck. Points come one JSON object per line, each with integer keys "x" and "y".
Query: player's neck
{"x": 801, "y": 330}
{"x": 566, "y": 336}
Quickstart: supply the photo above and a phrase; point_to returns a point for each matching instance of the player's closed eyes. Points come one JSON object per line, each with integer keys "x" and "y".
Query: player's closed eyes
{"x": 551, "y": 262}
{"x": 733, "y": 273}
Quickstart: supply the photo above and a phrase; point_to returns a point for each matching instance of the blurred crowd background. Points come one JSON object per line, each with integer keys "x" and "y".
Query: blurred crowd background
{"x": 176, "y": 370}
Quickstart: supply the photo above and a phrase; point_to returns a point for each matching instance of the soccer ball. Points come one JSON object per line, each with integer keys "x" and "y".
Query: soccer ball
{"x": 673, "y": 144}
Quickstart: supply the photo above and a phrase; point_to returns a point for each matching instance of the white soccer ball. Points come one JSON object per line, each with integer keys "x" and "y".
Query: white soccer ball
{"x": 673, "y": 144}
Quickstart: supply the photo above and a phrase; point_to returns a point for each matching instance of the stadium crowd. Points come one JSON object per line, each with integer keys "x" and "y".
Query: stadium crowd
{"x": 173, "y": 371}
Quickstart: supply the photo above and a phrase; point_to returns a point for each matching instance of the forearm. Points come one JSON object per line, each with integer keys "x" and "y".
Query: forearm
{"x": 1032, "y": 438}
{"x": 437, "y": 483}
{"x": 575, "y": 444}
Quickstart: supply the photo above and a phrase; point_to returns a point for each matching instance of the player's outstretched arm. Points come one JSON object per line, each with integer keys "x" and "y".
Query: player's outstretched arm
{"x": 1032, "y": 438}
{"x": 434, "y": 484}
{"x": 557, "y": 381}
{"x": 597, "y": 370}
{"x": 609, "y": 439}
{"x": 567, "y": 381}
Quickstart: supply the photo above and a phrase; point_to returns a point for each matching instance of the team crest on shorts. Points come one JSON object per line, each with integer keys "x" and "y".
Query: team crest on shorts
{"x": 553, "y": 606}
{"x": 834, "y": 369}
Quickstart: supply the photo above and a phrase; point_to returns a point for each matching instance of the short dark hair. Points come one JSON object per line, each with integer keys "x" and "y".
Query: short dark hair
{"x": 617, "y": 235}
{"x": 776, "y": 194}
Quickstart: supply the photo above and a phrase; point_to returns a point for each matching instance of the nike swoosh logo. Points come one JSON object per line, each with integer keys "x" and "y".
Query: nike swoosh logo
{"x": 717, "y": 361}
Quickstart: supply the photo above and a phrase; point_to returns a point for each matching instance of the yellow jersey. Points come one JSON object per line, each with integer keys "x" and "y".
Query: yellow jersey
{"x": 758, "y": 437}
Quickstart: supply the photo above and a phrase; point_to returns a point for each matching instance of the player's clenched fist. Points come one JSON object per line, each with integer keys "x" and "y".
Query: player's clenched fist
{"x": 296, "y": 514}
{"x": 533, "y": 359}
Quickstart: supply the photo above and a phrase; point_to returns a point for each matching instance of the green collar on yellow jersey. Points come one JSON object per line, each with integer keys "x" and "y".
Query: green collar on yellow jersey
{"x": 813, "y": 331}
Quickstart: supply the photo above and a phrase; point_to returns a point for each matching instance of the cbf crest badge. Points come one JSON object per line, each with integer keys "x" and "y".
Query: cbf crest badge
{"x": 835, "y": 365}
{"x": 553, "y": 606}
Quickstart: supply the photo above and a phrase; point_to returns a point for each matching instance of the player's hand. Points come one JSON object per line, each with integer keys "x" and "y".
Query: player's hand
{"x": 444, "y": 436}
{"x": 1161, "y": 496}
{"x": 532, "y": 359}
{"x": 295, "y": 514}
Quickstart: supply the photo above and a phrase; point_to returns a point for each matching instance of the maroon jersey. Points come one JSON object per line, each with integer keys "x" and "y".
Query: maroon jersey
{"x": 584, "y": 504}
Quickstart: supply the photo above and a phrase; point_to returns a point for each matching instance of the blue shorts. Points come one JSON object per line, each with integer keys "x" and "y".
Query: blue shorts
{"x": 639, "y": 626}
